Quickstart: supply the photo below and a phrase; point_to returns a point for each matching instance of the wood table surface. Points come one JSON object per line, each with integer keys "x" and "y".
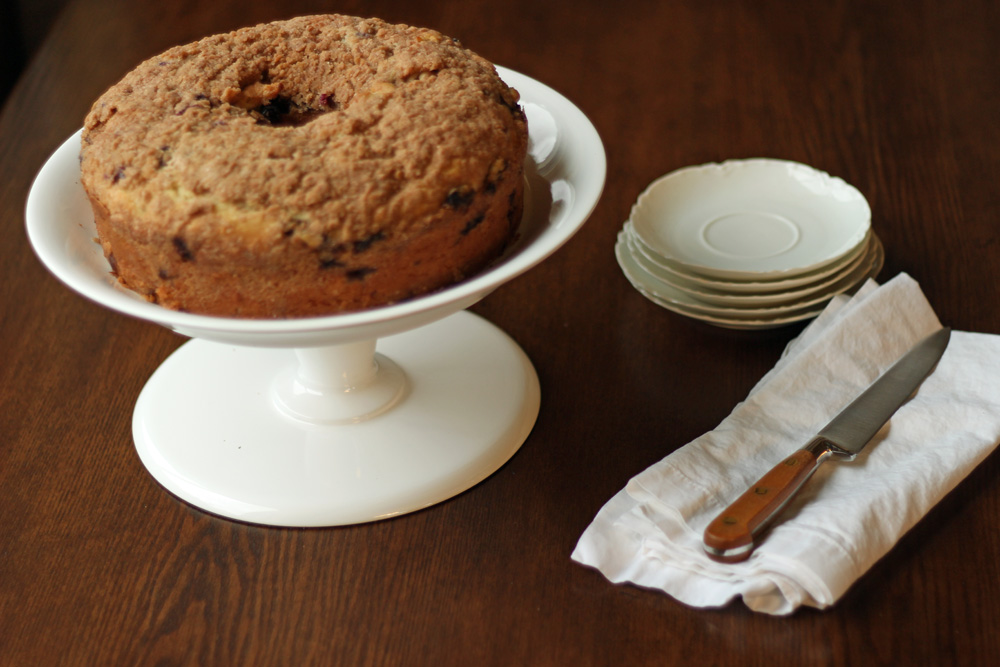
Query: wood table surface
{"x": 99, "y": 565}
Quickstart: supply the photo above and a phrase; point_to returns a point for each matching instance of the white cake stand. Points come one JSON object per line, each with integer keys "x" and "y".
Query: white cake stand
{"x": 301, "y": 422}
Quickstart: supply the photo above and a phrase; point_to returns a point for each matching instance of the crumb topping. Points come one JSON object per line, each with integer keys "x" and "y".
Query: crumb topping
{"x": 323, "y": 129}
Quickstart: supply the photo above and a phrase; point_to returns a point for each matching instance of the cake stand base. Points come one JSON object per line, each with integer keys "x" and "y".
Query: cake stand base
{"x": 220, "y": 427}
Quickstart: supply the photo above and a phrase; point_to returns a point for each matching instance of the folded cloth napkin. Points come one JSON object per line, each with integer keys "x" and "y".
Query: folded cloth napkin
{"x": 849, "y": 514}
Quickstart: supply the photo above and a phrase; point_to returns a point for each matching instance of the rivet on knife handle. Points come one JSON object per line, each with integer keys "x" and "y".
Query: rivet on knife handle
{"x": 730, "y": 537}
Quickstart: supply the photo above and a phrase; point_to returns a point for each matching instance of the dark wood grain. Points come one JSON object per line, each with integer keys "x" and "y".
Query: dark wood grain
{"x": 99, "y": 565}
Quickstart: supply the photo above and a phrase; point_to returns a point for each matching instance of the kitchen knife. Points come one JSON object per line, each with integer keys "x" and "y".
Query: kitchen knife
{"x": 732, "y": 536}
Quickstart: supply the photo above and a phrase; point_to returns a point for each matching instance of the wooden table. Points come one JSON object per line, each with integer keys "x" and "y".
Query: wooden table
{"x": 99, "y": 565}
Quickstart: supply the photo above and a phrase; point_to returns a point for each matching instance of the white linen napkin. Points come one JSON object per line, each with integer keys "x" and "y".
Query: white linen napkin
{"x": 849, "y": 514}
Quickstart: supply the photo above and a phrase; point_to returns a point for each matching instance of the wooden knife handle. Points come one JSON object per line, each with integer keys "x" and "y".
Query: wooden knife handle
{"x": 730, "y": 537}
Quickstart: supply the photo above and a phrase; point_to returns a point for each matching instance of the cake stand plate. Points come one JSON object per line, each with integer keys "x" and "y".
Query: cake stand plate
{"x": 211, "y": 427}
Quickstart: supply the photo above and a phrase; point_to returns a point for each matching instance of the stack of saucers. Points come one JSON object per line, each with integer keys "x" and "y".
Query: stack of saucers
{"x": 748, "y": 244}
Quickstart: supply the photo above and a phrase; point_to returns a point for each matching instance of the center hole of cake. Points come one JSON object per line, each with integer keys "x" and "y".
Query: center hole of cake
{"x": 282, "y": 112}
{"x": 262, "y": 99}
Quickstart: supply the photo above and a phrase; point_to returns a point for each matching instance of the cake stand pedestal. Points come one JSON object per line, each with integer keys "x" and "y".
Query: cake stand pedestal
{"x": 336, "y": 435}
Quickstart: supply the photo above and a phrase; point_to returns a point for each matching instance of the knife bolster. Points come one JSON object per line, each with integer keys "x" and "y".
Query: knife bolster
{"x": 824, "y": 448}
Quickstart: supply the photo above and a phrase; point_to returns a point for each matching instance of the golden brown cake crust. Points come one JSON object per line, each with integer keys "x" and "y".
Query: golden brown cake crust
{"x": 304, "y": 167}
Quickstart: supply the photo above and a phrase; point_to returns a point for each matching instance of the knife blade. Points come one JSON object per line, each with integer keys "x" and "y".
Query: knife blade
{"x": 733, "y": 535}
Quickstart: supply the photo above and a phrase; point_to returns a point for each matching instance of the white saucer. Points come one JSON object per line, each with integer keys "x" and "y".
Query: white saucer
{"x": 300, "y": 422}
{"x": 860, "y": 264}
{"x": 757, "y": 219}
{"x": 734, "y": 317}
{"x": 666, "y": 292}
{"x": 757, "y": 286}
